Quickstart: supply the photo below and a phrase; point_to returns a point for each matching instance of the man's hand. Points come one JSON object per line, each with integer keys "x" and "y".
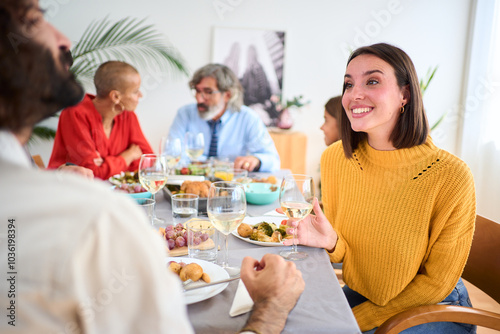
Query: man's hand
{"x": 250, "y": 163}
{"x": 275, "y": 285}
{"x": 85, "y": 172}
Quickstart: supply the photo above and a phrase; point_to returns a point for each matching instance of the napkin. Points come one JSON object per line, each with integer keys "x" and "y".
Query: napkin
{"x": 242, "y": 302}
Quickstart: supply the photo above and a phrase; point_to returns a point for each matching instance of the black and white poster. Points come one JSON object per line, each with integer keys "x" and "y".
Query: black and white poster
{"x": 257, "y": 58}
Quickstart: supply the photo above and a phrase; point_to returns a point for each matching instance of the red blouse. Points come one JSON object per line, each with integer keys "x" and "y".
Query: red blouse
{"x": 80, "y": 139}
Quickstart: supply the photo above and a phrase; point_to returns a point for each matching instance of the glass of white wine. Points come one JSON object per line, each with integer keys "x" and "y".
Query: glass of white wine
{"x": 226, "y": 208}
{"x": 172, "y": 149}
{"x": 296, "y": 198}
{"x": 195, "y": 145}
{"x": 153, "y": 175}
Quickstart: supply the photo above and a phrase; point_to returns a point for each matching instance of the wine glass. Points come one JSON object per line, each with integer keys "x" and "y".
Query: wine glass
{"x": 171, "y": 148}
{"x": 296, "y": 198}
{"x": 195, "y": 145}
{"x": 153, "y": 175}
{"x": 226, "y": 208}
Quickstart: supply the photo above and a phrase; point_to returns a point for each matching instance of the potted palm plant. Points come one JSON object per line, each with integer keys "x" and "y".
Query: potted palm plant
{"x": 128, "y": 39}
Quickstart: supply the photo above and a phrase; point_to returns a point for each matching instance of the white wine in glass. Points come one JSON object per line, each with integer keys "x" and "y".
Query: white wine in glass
{"x": 171, "y": 148}
{"x": 226, "y": 208}
{"x": 195, "y": 145}
{"x": 296, "y": 198}
{"x": 153, "y": 175}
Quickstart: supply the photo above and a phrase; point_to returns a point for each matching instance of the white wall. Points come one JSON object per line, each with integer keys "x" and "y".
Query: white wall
{"x": 319, "y": 33}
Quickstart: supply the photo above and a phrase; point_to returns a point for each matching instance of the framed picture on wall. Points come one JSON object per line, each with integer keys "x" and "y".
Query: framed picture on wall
{"x": 257, "y": 58}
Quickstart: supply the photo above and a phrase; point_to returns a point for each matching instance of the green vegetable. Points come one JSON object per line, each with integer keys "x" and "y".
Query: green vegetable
{"x": 266, "y": 228}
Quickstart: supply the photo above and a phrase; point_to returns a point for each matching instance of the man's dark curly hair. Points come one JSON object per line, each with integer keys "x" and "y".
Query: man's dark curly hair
{"x": 31, "y": 87}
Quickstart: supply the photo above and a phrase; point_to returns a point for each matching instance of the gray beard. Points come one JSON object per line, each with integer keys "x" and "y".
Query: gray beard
{"x": 211, "y": 112}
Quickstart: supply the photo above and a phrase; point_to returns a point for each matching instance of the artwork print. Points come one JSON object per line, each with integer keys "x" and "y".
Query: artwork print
{"x": 256, "y": 57}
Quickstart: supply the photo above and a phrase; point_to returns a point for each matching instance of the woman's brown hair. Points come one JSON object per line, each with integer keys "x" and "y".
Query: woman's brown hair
{"x": 412, "y": 126}
{"x": 334, "y": 107}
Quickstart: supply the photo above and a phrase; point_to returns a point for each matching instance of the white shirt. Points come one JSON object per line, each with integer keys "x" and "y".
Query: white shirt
{"x": 85, "y": 261}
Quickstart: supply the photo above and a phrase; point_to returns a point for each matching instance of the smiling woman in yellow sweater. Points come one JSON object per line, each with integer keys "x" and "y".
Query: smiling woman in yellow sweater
{"x": 399, "y": 212}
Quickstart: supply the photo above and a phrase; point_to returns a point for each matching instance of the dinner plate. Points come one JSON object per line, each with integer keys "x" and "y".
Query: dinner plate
{"x": 255, "y": 220}
{"x": 215, "y": 272}
{"x": 117, "y": 179}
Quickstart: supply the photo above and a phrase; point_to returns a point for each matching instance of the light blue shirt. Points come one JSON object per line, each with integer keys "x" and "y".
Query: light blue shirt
{"x": 241, "y": 133}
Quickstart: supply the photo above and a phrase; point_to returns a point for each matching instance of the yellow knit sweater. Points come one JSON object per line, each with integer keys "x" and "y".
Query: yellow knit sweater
{"x": 405, "y": 221}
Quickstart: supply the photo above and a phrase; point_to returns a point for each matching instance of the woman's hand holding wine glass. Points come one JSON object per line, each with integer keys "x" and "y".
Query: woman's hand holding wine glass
{"x": 296, "y": 200}
{"x": 314, "y": 230}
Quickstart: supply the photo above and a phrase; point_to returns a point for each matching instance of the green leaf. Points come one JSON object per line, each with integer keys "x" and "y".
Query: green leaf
{"x": 129, "y": 40}
{"x": 424, "y": 82}
{"x": 435, "y": 125}
{"x": 42, "y": 133}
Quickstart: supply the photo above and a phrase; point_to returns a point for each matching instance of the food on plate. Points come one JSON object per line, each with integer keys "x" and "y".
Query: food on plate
{"x": 245, "y": 230}
{"x": 125, "y": 177}
{"x": 175, "y": 267}
{"x": 264, "y": 232}
{"x": 132, "y": 188}
{"x": 194, "y": 169}
{"x": 199, "y": 188}
{"x": 271, "y": 179}
{"x": 175, "y": 236}
{"x": 192, "y": 271}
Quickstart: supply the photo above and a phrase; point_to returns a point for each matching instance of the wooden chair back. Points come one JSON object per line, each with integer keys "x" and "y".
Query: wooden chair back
{"x": 38, "y": 161}
{"x": 482, "y": 270}
{"x": 483, "y": 266}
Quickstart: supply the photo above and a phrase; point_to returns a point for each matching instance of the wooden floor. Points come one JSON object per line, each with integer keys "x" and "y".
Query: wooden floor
{"x": 482, "y": 301}
{"x": 478, "y": 298}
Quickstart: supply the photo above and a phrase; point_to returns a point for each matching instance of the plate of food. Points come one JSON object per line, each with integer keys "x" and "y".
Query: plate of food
{"x": 124, "y": 178}
{"x": 263, "y": 231}
{"x": 128, "y": 182}
{"x": 202, "y": 271}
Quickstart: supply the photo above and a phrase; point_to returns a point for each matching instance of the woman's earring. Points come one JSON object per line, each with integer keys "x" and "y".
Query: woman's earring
{"x": 402, "y": 110}
{"x": 122, "y": 107}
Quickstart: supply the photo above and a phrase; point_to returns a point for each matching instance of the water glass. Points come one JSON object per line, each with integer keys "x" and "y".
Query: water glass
{"x": 184, "y": 207}
{"x": 202, "y": 240}
{"x": 147, "y": 204}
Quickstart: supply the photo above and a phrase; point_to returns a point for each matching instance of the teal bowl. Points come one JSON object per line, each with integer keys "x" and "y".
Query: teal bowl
{"x": 145, "y": 194}
{"x": 261, "y": 193}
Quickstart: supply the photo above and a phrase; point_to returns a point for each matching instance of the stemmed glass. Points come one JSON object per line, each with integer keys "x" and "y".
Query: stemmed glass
{"x": 153, "y": 175}
{"x": 296, "y": 198}
{"x": 226, "y": 208}
{"x": 171, "y": 148}
{"x": 195, "y": 145}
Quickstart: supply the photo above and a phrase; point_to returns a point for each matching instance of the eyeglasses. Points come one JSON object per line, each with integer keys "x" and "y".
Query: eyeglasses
{"x": 204, "y": 94}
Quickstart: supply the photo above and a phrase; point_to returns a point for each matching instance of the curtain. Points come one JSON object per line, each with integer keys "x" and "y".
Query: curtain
{"x": 480, "y": 142}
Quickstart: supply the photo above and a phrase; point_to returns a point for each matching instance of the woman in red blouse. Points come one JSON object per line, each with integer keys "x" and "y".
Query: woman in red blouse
{"x": 102, "y": 132}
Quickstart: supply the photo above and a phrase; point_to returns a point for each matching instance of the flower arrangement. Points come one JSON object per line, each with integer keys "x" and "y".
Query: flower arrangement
{"x": 285, "y": 120}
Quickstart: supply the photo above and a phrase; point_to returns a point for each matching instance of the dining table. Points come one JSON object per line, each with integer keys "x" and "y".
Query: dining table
{"x": 322, "y": 307}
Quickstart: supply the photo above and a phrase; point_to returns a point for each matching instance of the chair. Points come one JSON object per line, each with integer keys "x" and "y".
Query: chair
{"x": 38, "y": 161}
{"x": 482, "y": 270}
